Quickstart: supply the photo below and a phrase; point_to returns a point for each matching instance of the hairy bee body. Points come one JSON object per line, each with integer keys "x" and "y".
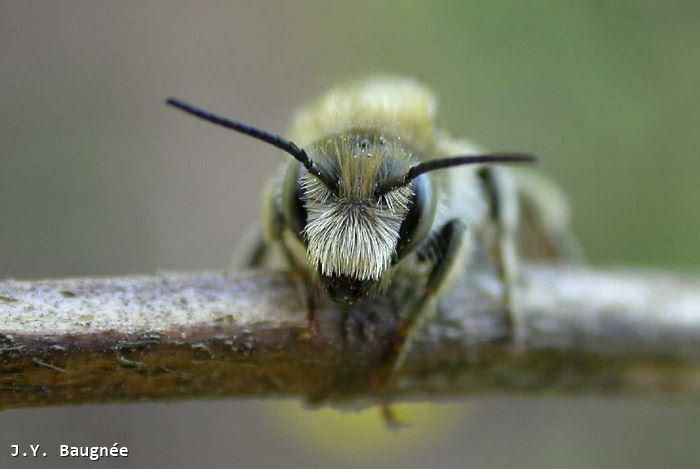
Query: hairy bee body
{"x": 363, "y": 205}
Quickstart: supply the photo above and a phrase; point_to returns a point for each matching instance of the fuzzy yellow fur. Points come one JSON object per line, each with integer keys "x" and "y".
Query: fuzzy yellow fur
{"x": 396, "y": 106}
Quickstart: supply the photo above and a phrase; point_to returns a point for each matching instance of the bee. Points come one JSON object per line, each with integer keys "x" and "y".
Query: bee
{"x": 375, "y": 188}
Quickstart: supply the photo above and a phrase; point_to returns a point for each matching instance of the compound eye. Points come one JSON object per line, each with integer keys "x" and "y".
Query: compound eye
{"x": 416, "y": 226}
{"x": 293, "y": 209}
{"x": 299, "y": 215}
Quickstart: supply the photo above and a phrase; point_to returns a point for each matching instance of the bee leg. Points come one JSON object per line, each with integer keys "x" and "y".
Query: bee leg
{"x": 254, "y": 249}
{"x": 311, "y": 324}
{"x": 506, "y": 257}
{"x": 257, "y": 252}
{"x": 449, "y": 243}
{"x": 251, "y": 252}
{"x": 391, "y": 421}
{"x": 501, "y": 192}
{"x": 273, "y": 229}
{"x": 308, "y": 290}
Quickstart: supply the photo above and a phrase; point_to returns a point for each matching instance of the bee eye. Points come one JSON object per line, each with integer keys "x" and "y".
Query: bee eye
{"x": 299, "y": 215}
{"x": 419, "y": 219}
{"x": 293, "y": 209}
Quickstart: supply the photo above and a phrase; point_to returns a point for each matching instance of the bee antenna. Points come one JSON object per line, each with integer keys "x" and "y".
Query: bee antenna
{"x": 422, "y": 168}
{"x": 275, "y": 140}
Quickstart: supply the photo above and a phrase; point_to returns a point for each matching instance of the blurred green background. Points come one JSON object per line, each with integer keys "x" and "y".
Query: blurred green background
{"x": 98, "y": 177}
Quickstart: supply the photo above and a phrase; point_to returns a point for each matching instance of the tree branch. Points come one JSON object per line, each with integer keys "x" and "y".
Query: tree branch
{"x": 183, "y": 335}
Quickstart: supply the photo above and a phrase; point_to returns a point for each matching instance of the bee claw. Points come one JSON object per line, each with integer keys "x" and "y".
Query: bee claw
{"x": 391, "y": 421}
{"x": 311, "y": 327}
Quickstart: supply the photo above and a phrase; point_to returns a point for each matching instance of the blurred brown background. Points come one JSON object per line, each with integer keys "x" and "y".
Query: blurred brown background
{"x": 97, "y": 176}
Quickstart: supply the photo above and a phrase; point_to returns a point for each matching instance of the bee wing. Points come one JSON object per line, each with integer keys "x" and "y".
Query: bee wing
{"x": 545, "y": 230}
{"x": 541, "y": 217}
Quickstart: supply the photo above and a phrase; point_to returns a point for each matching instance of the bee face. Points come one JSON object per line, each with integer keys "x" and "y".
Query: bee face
{"x": 352, "y": 234}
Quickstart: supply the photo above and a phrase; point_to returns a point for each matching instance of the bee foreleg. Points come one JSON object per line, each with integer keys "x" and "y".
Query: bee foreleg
{"x": 448, "y": 246}
{"x": 307, "y": 288}
{"x": 449, "y": 243}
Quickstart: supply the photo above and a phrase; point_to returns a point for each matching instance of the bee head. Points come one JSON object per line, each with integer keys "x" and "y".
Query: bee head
{"x": 352, "y": 231}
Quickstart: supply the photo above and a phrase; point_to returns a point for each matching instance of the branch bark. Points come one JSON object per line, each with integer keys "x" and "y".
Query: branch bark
{"x": 212, "y": 334}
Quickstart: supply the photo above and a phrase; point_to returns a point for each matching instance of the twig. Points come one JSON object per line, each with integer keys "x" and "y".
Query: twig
{"x": 209, "y": 334}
